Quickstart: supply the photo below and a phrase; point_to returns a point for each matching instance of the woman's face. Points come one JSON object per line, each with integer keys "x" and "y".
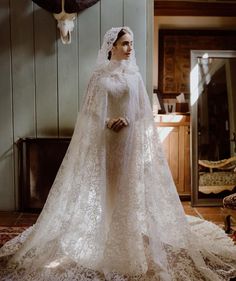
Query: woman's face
{"x": 123, "y": 48}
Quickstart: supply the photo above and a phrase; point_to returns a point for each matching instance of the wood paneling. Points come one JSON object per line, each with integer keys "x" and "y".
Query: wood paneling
{"x": 174, "y": 142}
{"x": 6, "y": 129}
{"x": 42, "y": 81}
{"x": 112, "y": 15}
{"x": 68, "y": 84}
{"x": 45, "y": 73}
{"x": 133, "y": 17}
{"x": 88, "y": 44}
{"x": 149, "y": 47}
{"x": 23, "y": 77}
{"x": 23, "y": 81}
{"x": 186, "y": 165}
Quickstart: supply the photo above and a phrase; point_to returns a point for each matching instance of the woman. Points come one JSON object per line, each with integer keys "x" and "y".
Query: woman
{"x": 113, "y": 212}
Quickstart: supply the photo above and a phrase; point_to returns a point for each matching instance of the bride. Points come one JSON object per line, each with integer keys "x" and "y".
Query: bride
{"x": 113, "y": 212}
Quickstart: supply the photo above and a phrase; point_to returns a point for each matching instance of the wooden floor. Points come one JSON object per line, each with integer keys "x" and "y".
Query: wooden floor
{"x": 213, "y": 214}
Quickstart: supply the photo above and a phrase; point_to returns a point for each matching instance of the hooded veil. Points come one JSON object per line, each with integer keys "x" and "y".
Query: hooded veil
{"x": 113, "y": 212}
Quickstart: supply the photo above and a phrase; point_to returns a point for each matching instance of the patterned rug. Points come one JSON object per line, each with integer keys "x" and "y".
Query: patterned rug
{"x": 7, "y": 233}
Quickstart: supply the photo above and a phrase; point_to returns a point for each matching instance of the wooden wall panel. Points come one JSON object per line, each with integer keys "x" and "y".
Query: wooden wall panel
{"x": 68, "y": 78}
{"x": 23, "y": 68}
{"x": 174, "y": 154}
{"x": 187, "y": 160}
{"x": 134, "y": 12}
{"x": 6, "y": 129}
{"x": 112, "y": 15}
{"x": 45, "y": 73}
{"x": 88, "y": 44}
{"x": 149, "y": 47}
{"x": 23, "y": 81}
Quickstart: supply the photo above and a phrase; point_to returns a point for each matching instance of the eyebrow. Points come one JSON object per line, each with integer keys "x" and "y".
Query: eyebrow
{"x": 127, "y": 41}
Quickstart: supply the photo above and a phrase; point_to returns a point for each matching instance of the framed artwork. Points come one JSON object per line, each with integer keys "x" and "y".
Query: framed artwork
{"x": 174, "y": 56}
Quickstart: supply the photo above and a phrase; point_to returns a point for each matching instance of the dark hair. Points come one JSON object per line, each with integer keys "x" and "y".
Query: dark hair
{"x": 120, "y": 34}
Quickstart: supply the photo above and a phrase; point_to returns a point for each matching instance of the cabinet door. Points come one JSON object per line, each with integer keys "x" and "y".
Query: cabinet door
{"x": 171, "y": 144}
{"x": 176, "y": 145}
{"x": 187, "y": 172}
{"x": 184, "y": 160}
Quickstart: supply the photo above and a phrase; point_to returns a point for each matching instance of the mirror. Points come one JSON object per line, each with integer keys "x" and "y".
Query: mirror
{"x": 213, "y": 126}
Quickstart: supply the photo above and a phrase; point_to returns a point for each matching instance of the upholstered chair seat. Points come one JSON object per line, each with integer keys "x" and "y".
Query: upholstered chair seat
{"x": 229, "y": 211}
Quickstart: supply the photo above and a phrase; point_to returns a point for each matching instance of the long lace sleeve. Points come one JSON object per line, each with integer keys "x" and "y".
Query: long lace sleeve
{"x": 95, "y": 102}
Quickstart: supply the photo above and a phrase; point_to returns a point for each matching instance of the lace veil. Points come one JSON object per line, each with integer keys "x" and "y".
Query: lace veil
{"x": 108, "y": 41}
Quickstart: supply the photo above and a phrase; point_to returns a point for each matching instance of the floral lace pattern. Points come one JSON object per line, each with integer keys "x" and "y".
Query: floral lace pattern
{"x": 113, "y": 212}
{"x": 230, "y": 201}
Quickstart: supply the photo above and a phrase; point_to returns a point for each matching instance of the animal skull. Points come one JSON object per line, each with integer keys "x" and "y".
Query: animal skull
{"x": 65, "y": 23}
{"x": 65, "y": 12}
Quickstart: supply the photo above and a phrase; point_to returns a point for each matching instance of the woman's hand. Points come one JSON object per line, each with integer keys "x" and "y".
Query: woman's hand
{"x": 116, "y": 124}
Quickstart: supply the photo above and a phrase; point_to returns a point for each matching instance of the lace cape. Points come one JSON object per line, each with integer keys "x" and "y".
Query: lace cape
{"x": 113, "y": 211}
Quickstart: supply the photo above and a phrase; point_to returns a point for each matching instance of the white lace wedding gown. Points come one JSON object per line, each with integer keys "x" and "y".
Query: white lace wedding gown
{"x": 113, "y": 212}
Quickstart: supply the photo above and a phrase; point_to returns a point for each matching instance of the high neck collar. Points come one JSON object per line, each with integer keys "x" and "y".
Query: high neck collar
{"x": 118, "y": 63}
{"x": 118, "y": 66}
{"x": 124, "y": 66}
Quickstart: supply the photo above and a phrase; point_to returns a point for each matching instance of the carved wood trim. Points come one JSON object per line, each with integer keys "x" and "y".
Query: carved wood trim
{"x": 185, "y": 8}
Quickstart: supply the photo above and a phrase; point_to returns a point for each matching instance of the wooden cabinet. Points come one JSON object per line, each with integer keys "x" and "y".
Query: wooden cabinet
{"x": 39, "y": 161}
{"x": 174, "y": 132}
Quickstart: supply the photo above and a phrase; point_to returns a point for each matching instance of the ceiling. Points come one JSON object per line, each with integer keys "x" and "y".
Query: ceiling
{"x": 220, "y": 8}
{"x": 195, "y": 14}
{"x": 193, "y": 22}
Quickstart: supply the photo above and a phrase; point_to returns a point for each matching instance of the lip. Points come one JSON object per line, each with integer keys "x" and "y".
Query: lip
{"x": 128, "y": 54}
